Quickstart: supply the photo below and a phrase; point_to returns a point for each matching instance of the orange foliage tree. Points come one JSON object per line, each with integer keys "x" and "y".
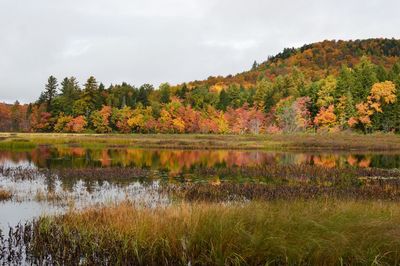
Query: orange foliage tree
{"x": 326, "y": 118}
{"x": 5, "y": 117}
{"x": 101, "y": 119}
{"x": 41, "y": 121}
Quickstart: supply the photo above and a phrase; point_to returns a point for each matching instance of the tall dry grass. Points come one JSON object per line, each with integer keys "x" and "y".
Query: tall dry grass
{"x": 313, "y": 232}
{"x": 5, "y": 194}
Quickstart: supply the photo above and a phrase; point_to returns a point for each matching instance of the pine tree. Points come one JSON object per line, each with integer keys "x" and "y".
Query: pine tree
{"x": 165, "y": 93}
{"x": 143, "y": 95}
{"x": 181, "y": 93}
{"x": 50, "y": 93}
{"x": 70, "y": 92}
{"x": 16, "y": 118}
{"x": 223, "y": 101}
{"x": 90, "y": 95}
{"x": 254, "y": 66}
{"x": 365, "y": 77}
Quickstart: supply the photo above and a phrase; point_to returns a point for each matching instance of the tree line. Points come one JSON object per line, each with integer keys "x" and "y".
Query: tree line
{"x": 361, "y": 97}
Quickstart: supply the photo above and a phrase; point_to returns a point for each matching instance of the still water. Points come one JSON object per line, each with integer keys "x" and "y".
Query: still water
{"x": 34, "y": 196}
{"x": 176, "y": 161}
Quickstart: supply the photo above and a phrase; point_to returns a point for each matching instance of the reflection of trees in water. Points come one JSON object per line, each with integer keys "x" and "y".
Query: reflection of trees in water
{"x": 176, "y": 161}
{"x": 14, "y": 157}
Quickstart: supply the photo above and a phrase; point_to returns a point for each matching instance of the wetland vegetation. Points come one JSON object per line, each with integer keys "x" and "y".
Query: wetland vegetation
{"x": 318, "y": 232}
{"x": 301, "y": 141}
{"x": 99, "y": 200}
{"x": 5, "y": 194}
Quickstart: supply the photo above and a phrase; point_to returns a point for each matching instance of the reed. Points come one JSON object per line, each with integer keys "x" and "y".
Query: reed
{"x": 234, "y": 192}
{"x": 271, "y": 174}
{"x": 312, "y": 232}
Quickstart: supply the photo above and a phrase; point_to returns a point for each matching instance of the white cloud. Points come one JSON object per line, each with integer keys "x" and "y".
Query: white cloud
{"x": 76, "y": 48}
{"x": 154, "y": 41}
{"x": 239, "y": 45}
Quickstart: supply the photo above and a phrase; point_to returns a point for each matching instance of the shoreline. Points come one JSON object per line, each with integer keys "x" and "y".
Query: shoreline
{"x": 281, "y": 142}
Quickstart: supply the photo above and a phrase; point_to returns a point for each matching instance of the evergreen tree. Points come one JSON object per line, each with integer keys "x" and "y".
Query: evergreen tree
{"x": 90, "y": 96}
{"x": 262, "y": 87}
{"x": 254, "y": 66}
{"x": 70, "y": 92}
{"x": 181, "y": 93}
{"x": 223, "y": 101}
{"x": 165, "y": 93}
{"x": 234, "y": 96}
{"x": 345, "y": 82}
{"x": 143, "y": 95}
{"x": 365, "y": 77}
{"x": 50, "y": 93}
{"x": 381, "y": 73}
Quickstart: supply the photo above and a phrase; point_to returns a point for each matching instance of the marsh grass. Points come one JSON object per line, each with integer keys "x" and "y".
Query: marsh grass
{"x": 47, "y": 196}
{"x": 305, "y": 141}
{"x": 265, "y": 183}
{"x": 314, "y": 232}
{"x": 271, "y": 174}
{"x": 234, "y": 192}
{"x": 5, "y": 194}
{"x": 289, "y": 173}
{"x": 17, "y": 144}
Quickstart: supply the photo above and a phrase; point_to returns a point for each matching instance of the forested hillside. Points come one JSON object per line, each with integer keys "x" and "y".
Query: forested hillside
{"x": 325, "y": 86}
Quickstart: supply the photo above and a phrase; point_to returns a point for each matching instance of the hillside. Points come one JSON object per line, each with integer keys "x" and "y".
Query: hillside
{"x": 330, "y": 85}
{"x": 315, "y": 60}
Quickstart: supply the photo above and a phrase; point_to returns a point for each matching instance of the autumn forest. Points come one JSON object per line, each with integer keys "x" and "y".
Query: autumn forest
{"x": 328, "y": 86}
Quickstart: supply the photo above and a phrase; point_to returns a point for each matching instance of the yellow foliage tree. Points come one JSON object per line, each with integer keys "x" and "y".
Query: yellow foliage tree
{"x": 325, "y": 93}
{"x": 326, "y": 117}
{"x": 381, "y": 93}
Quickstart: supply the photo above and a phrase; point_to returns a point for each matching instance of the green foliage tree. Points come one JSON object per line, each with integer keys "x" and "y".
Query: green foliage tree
{"x": 90, "y": 97}
{"x": 182, "y": 91}
{"x": 200, "y": 97}
{"x": 50, "y": 93}
{"x": 70, "y": 92}
{"x": 144, "y": 92}
{"x": 165, "y": 93}
{"x": 223, "y": 101}
{"x": 365, "y": 77}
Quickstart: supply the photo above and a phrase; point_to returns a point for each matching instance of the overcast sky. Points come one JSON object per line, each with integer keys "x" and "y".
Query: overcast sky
{"x": 154, "y": 41}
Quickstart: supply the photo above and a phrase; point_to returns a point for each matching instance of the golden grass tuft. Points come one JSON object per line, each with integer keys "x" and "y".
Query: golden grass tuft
{"x": 5, "y": 195}
{"x": 314, "y": 232}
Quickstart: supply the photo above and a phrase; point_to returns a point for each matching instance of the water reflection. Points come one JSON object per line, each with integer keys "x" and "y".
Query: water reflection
{"x": 12, "y": 213}
{"x": 32, "y": 193}
{"x": 176, "y": 161}
{"x": 35, "y": 197}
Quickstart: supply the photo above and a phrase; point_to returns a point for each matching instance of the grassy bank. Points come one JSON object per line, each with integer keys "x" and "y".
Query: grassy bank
{"x": 317, "y": 232}
{"x": 334, "y": 141}
{"x": 16, "y": 143}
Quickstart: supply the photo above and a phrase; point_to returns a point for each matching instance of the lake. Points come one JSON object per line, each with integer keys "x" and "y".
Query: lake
{"x": 26, "y": 174}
